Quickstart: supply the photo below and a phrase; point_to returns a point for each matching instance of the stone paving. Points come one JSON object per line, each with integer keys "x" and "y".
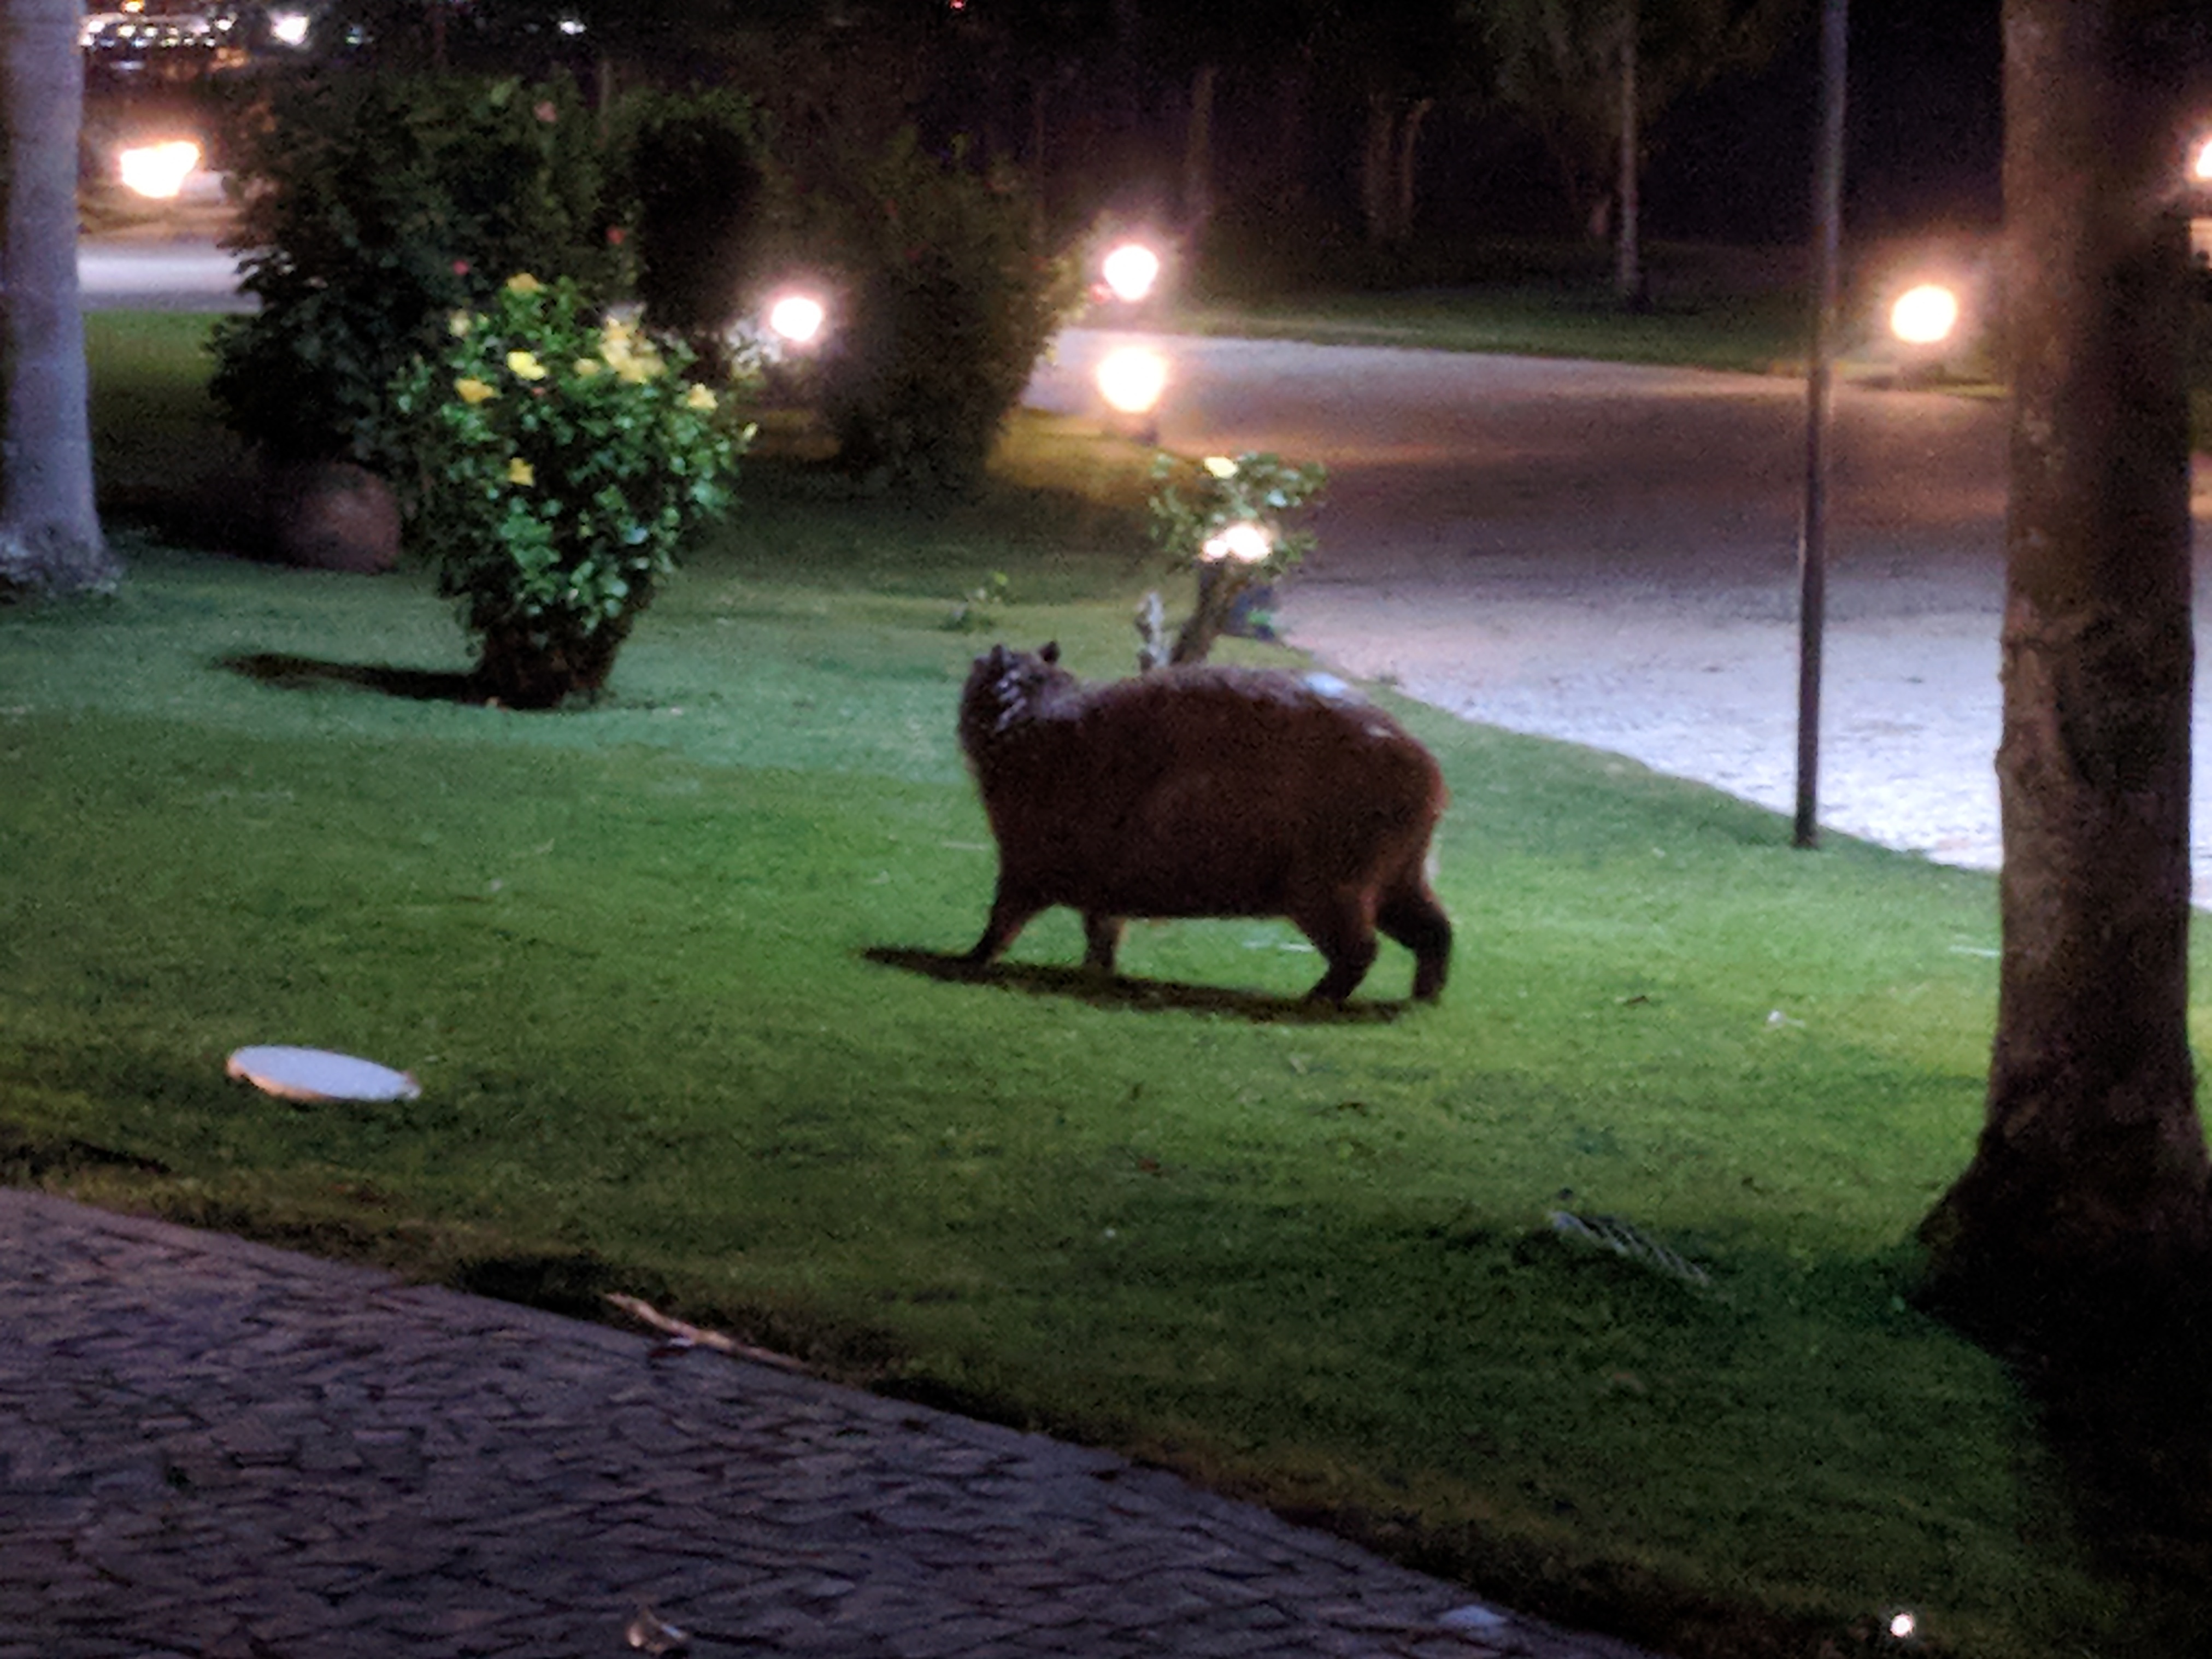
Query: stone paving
{"x": 209, "y": 1448}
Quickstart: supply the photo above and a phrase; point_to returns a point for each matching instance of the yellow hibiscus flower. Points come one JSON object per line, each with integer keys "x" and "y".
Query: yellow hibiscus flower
{"x": 519, "y": 472}
{"x": 524, "y": 283}
{"x": 698, "y": 398}
{"x": 458, "y": 324}
{"x": 1221, "y": 466}
{"x": 473, "y": 391}
{"x": 524, "y": 365}
{"x": 585, "y": 367}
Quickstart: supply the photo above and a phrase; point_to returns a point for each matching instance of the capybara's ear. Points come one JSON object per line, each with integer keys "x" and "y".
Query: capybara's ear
{"x": 994, "y": 659}
{"x": 1051, "y": 652}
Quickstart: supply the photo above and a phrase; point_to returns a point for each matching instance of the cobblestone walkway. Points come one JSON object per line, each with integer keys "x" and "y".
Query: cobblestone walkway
{"x": 212, "y": 1448}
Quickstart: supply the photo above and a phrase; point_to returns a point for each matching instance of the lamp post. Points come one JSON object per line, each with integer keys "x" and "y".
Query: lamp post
{"x": 1813, "y": 548}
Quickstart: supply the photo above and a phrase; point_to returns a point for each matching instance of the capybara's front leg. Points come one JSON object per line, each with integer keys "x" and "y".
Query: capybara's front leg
{"x": 1102, "y": 937}
{"x": 1011, "y": 910}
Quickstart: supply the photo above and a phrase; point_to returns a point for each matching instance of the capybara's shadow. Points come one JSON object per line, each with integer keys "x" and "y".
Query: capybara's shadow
{"x": 292, "y": 673}
{"x": 1122, "y": 991}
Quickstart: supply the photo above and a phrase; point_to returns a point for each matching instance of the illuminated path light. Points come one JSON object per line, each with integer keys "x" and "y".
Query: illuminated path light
{"x": 1133, "y": 379}
{"x": 1130, "y": 271}
{"x": 797, "y": 318}
{"x": 2201, "y": 170}
{"x": 1924, "y": 315}
{"x": 159, "y": 170}
{"x": 1244, "y": 543}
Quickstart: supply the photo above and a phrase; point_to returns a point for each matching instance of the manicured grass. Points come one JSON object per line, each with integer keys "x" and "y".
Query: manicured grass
{"x": 673, "y": 972}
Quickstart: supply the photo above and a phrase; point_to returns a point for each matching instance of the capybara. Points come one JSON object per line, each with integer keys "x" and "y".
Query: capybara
{"x": 1205, "y": 791}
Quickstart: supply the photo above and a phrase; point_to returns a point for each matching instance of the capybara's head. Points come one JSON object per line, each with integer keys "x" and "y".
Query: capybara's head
{"x": 1005, "y": 689}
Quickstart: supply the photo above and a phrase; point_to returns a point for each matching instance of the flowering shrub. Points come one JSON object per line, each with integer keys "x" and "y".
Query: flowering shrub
{"x": 370, "y": 206}
{"x": 1230, "y": 518}
{"x": 560, "y": 459}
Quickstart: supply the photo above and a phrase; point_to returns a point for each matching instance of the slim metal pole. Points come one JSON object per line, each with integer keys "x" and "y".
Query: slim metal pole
{"x": 1813, "y": 547}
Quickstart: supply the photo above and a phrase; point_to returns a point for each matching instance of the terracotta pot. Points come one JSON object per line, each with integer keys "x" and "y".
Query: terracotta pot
{"x": 333, "y": 515}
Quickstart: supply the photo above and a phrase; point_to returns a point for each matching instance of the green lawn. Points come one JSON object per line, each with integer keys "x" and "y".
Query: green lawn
{"x": 673, "y": 973}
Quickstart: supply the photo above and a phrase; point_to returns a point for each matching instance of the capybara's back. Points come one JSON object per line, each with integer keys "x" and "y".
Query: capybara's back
{"x": 1205, "y": 791}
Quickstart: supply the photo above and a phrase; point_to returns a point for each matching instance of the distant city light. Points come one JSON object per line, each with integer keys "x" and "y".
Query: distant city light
{"x": 1903, "y": 1627}
{"x": 1132, "y": 379}
{"x": 796, "y": 317}
{"x": 1130, "y": 271}
{"x": 1924, "y": 315}
{"x": 159, "y": 170}
{"x": 289, "y": 28}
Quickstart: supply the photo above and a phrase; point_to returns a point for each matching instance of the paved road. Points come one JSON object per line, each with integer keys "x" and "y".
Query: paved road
{"x": 216, "y": 1450}
{"x": 157, "y": 273}
{"x": 1608, "y": 553}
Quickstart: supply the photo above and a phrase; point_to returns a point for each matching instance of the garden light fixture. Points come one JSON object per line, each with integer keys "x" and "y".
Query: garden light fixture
{"x": 1131, "y": 271}
{"x": 1243, "y": 543}
{"x": 1924, "y": 315}
{"x": 796, "y": 318}
{"x": 160, "y": 170}
{"x": 1133, "y": 379}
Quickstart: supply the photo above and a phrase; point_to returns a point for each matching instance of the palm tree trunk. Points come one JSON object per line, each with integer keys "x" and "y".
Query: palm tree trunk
{"x": 2086, "y": 1198}
{"x": 50, "y": 535}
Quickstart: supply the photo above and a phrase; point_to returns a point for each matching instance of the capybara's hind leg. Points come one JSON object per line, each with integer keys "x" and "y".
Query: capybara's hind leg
{"x": 1342, "y": 928}
{"x": 1102, "y": 937}
{"x": 1010, "y": 913}
{"x": 1412, "y": 917}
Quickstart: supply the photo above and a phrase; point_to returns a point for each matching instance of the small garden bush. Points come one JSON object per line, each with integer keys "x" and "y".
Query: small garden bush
{"x": 949, "y": 299}
{"x": 688, "y": 173}
{"x": 560, "y": 459}
{"x": 372, "y": 207}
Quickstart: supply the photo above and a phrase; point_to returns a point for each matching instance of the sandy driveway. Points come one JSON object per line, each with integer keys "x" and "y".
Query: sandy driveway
{"x": 1608, "y": 554}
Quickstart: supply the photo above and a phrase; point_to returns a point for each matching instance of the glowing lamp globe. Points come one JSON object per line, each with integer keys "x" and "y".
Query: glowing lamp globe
{"x": 1130, "y": 271}
{"x": 1924, "y": 315}
{"x": 1244, "y": 543}
{"x": 1133, "y": 379}
{"x": 159, "y": 170}
{"x": 796, "y": 317}
{"x": 2201, "y": 170}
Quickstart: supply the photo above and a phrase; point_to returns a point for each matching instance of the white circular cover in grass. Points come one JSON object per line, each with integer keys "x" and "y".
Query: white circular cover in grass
{"x": 320, "y": 1074}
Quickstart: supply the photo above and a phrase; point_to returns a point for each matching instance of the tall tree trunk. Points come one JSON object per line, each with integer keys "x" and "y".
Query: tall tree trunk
{"x": 1387, "y": 167}
{"x": 1406, "y": 171}
{"x": 50, "y": 535}
{"x": 1375, "y": 166}
{"x": 2088, "y": 1190}
{"x": 1628, "y": 256}
{"x": 1198, "y": 152}
{"x": 1288, "y": 163}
